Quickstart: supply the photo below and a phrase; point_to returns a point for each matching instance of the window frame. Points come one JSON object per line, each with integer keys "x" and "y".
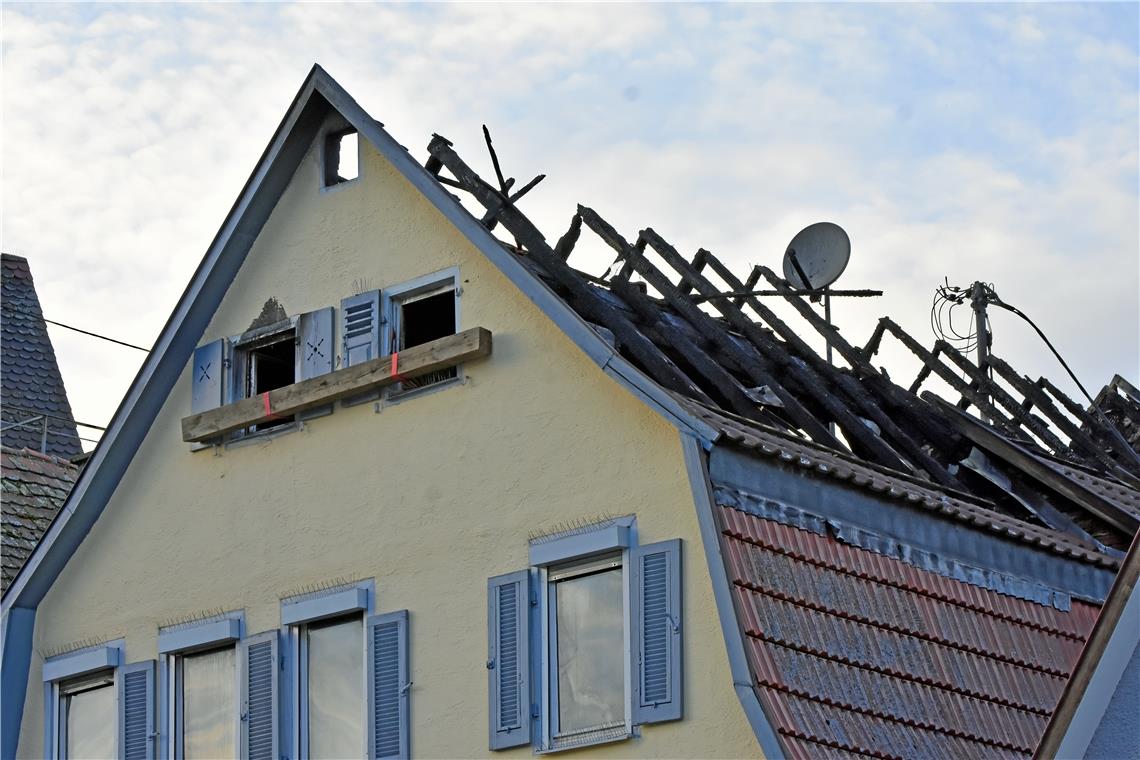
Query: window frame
{"x": 176, "y": 642}
{"x": 548, "y": 675}
{"x": 392, "y": 300}
{"x": 76, "y": 668}
{"x": 550, "y": 557}
{"x": 297, "y": 613}
{"x": 239, "y": 348}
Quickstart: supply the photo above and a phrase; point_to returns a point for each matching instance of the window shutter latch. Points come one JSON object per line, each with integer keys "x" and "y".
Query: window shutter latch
{"x": 406, "y": 688}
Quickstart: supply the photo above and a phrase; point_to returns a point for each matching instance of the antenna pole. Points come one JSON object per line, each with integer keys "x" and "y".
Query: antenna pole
{"x": 979, "y": 297}
{"x": 827, "y": 318}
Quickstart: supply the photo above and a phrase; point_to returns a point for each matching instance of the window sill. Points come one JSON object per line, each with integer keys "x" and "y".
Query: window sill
{"x": 586, "y": 740}
{"x": 397, "y": 397}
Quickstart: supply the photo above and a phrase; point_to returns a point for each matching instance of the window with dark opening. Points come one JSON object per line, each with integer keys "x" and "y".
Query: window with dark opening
{"x": 421, "y": 319}
{"x": 268, "y": 367}
{"x": 341, "y": 157}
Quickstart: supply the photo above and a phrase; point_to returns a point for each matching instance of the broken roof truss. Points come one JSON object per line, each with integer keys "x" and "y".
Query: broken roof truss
{"x": 725, "y": 348}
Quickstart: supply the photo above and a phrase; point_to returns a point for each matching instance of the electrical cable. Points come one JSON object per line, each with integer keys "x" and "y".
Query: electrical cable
{"x": 97, "y": 335}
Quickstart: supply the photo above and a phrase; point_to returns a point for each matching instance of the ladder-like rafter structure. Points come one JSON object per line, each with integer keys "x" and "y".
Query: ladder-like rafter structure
{"x": 722, "y": 346}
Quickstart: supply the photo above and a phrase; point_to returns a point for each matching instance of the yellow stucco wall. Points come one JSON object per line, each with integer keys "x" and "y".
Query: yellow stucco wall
{"x": 430, "y": 496}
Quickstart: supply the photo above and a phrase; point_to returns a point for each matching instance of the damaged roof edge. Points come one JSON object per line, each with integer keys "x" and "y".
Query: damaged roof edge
{"x": 696, "y": 465}
{"x": 189, "y": 319}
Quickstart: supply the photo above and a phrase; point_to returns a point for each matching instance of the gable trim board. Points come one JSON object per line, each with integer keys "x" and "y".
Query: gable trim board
{"x": 1104, "y": 659}
{"x": 743, "y": 681}
{"x": 318, "y": 96}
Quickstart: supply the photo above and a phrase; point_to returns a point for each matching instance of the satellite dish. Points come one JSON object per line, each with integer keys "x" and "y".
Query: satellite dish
{"x": 820, "y": 253}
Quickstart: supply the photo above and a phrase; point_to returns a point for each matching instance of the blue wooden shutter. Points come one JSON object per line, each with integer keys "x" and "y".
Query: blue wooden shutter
{"x": 388, "y": 685}
{"x": 508, "y": 659}
{"x": 259, "y": 690}
{"x": 208, "y": 378}
{"x": 360, "y": 321}
{"x": 316, "y": 351}
{"x": 657, "y": 616}
{"x": 136, "y": 711}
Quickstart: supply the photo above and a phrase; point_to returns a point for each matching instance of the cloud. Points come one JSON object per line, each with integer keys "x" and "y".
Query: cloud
{"x": 974, "y": 142}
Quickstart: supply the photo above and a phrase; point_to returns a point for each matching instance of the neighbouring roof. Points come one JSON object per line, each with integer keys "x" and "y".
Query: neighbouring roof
{"x": 33, "y": 487}
{"x": 31, "y": 387}
{"x": 855, "y": 653}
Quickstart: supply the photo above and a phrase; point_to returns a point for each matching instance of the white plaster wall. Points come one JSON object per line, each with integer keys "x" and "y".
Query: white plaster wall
{"x": 431, "y": 496}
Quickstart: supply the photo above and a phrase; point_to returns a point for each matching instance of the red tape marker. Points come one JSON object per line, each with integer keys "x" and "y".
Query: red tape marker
{"x": 268, "y": 412}
{"x": 395, "y": 367}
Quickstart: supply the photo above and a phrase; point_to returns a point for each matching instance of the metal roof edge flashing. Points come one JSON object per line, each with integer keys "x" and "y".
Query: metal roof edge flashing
{"x": 744, "y": 682}
{"x": 888, "y": 546}
{"x": 880, "y": 520}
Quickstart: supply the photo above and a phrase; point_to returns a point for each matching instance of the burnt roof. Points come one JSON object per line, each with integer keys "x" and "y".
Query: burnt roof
{"x": 701, "y": 331}
{"x": 31, "y": 387}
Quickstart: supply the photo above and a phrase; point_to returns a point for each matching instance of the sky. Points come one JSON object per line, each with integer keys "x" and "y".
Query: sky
{"x": 955, "y": 142}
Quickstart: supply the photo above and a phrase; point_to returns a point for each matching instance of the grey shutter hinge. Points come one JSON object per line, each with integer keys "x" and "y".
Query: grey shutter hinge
{"x": 281, "y": 662}
{"x": 534, "y": 710}
{"x": 673, "y": 621}
{"x": 490, "y": 664}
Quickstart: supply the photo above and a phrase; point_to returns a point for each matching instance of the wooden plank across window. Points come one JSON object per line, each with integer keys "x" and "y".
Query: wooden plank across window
{"x": 350, "y": 381}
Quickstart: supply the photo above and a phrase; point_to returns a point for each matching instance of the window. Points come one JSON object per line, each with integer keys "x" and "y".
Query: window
{"x": 350, "y": 695}
{"x": 341, "y": 159}
{"x": 206, "y": 711}
{"x": 265, "y": 360}
{"x": 419, "y": 312}
{"x": 586, "y": 637}
{"x": 97, "y": 707}
{"x": 201, "y": 687}
{"x": 87, "y": 721}
{"x": 607, "y": 614}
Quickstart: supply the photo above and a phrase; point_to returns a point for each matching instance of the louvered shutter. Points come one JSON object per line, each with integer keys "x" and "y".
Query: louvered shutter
{"x": 360, "y": 329}
{"x": 388, "y": 685}
{"x": 136, "y": 711}
{"x": 508, "y": 659}
{"x": 657, "y": 622}
{"x": 259, "y": 687}
{"x": 315, "y": 352}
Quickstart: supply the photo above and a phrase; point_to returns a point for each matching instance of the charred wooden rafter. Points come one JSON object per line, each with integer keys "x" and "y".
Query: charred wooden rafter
{"x": 582, "y": 297}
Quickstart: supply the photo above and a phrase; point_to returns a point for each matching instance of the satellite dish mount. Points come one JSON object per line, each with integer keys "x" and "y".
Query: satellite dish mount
{"x": 815, "y": 258}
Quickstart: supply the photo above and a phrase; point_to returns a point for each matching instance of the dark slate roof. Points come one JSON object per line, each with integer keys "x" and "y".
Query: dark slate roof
{"x": 34, "y": 488}
{"x": 30, "y": 382}
{"x": 857, "y": 653}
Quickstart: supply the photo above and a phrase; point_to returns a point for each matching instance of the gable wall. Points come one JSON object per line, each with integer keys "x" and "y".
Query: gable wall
{"x": 430, "y": 496}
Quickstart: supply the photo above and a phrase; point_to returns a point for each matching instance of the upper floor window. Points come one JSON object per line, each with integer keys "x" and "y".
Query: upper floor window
{"x": 333, "y": 669}
{"x": 87, "y": 721}
{"x": 418, "y": 312}
{"x": 98, "y": 707}
{"x": 607, "y": 613}
{"x": 206, "y": 686}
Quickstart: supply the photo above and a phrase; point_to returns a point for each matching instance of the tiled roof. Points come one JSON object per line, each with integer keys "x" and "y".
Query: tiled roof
{"x": 30, "y": 382}
{"x": 857, "y": 653}
{"x": 34, "y": 488}
{"x": 779, "y": 445}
